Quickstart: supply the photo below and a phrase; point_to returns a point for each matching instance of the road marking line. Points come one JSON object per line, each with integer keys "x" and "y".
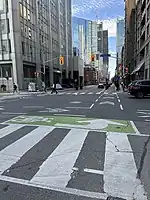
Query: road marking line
{"x": 93, "y": 171}
{"x": 70, "y": 115}
{"x": 121, "y": 107}
{"x": 96, "y": 100}
{"x": 119, "y": 100}
{"x": 147, "y": 120}
{"x": 95, "y": 195}
{"x": 117, "y": 95}
{"x": 11, "y": 113}
{"x": 12, "y": 153}
{"x": 82, "y": 93}
{"x": 91, "y": 106}
{"x": 78, "y": 107}
{"x": 135, "y": 128}
{"x": 144, "y": 110}
{"x": 120, "y": 172}
{"x": 99, "y": 92}
{"x": 61, "y": 161}
{"x": 9, "y": 129}
{"x": 90, "y": 93}
{"x": 108, "y": 97}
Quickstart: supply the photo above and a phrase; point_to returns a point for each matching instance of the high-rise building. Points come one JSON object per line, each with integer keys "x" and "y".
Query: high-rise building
{"x": 33, "y": 36}
{"x": 137, "y": 40}
{"x": 82, "y": 37}
{"x": 119, "y": 40}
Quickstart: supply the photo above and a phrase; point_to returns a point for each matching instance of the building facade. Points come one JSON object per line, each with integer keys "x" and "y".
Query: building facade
{"x": 119, "y": 39}
{"x": 137, "y": 40}
{"x": 142, "y": 68}
{"x": 36, "y": 34}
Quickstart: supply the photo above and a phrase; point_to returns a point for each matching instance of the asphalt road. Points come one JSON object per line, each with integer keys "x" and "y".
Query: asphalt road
{"x": 86, "y": 144}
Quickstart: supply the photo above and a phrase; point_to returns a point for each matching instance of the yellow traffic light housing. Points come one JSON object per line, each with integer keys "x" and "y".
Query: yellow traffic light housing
{"x": 92, "y": 58}
{"x": 61, "y": 60}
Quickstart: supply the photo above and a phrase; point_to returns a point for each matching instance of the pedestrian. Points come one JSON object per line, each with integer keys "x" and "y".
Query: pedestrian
{"x": 54, "y": 89}
{"x": 14, "y": 88}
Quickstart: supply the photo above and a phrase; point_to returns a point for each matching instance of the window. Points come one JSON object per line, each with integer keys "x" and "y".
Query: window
{"x": 21, "y": 9}
{"x": 5, "y": 47}
{"x": 23, "y": 52}
{"x": 2, "y": 6}
{"x": 3, "y": 26}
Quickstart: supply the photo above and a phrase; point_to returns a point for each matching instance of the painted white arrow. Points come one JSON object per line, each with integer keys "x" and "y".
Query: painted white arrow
{"x": 107, "y": 102}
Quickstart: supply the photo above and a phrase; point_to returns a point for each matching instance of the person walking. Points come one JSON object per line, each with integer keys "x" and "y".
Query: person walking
{"x": 14, "y": 88}
{"x": 54, "y": 89}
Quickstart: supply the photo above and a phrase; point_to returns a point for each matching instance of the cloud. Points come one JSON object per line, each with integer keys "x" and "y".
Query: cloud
{"x": 82, "y": 6}
{"x": 110, "y": 25}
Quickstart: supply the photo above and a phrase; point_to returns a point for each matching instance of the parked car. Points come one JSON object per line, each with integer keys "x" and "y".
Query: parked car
{"x": 139, "y": 88}
{"x": 101, "y": 86}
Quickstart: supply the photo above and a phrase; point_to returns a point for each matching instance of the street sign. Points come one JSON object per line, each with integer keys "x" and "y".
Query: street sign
{"x": 61, "y": 60}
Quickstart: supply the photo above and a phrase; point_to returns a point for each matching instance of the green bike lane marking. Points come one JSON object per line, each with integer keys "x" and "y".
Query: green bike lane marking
{"x": 120, "y": 126}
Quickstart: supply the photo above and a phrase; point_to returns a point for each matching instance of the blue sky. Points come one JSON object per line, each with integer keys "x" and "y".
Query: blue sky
{"x": 105, "y": 10}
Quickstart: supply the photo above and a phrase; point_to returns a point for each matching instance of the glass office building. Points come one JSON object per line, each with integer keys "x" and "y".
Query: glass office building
{"x": 82, "y": 33}
{"x": 120, "y": 38}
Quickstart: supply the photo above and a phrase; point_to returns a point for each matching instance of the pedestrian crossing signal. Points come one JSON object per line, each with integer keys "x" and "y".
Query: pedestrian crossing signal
{"x": 61, "y": 60}
{"x": 92, "y": 58}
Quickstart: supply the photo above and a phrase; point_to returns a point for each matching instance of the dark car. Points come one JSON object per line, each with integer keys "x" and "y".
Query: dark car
{"x": 101, "y": 85}
{"x": 139, "y": 88}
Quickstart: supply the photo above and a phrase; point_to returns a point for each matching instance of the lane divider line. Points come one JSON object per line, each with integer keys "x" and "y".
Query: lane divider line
{"x": 91, "y": 106}
{"x": 135, "y": 128}
{"x": 121, "y": 107}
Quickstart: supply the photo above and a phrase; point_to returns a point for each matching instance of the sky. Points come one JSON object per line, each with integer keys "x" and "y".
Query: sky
{"x": 104, "y": 10}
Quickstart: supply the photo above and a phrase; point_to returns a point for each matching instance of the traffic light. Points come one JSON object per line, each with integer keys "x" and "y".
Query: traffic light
{"x": 61, "y": 60}
{"x": 92, "y": 58}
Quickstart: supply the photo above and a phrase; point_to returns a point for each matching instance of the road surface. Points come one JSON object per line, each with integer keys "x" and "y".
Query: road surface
{"x": 82, "y": 145}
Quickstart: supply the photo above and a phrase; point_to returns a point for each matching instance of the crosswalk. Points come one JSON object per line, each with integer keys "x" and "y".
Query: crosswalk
{"x": 67, "y": 157}
{"x": 79, "y": 93}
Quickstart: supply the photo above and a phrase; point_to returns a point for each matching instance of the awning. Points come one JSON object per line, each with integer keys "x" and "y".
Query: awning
{"x": 138, "y": 67}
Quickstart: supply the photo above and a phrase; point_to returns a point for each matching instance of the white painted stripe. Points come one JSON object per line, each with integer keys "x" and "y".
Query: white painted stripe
{"x": 56, "y": 170}
{"x": 9, "y": 129}
{"x": 11, "y": 154}
{"x": 117, "y": 95}
{"x": 69, "y": 115}
{"x": 99, "y": 92}
{"x": 93, "y": 171}
{"x": 119, "y": 100}
{"x": 121, "y": 107}
{"x": 147, "y": 120}
{"x": 13, "y": 113}
{"x": 91, "y": 106}
{"x": 82, "y": 93}
{"x": 95, "y": 195}
{"x": 134, "y": 127}
{"x": 69, "y": 93}
{"x": 120, "y": 172}
{"x": 144, "y": 110}
{"x": 96, "y": 100}
{"x": 78, "y": 107}
{"x": 108, "y": 97}
{"x": 90, "y": 93}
